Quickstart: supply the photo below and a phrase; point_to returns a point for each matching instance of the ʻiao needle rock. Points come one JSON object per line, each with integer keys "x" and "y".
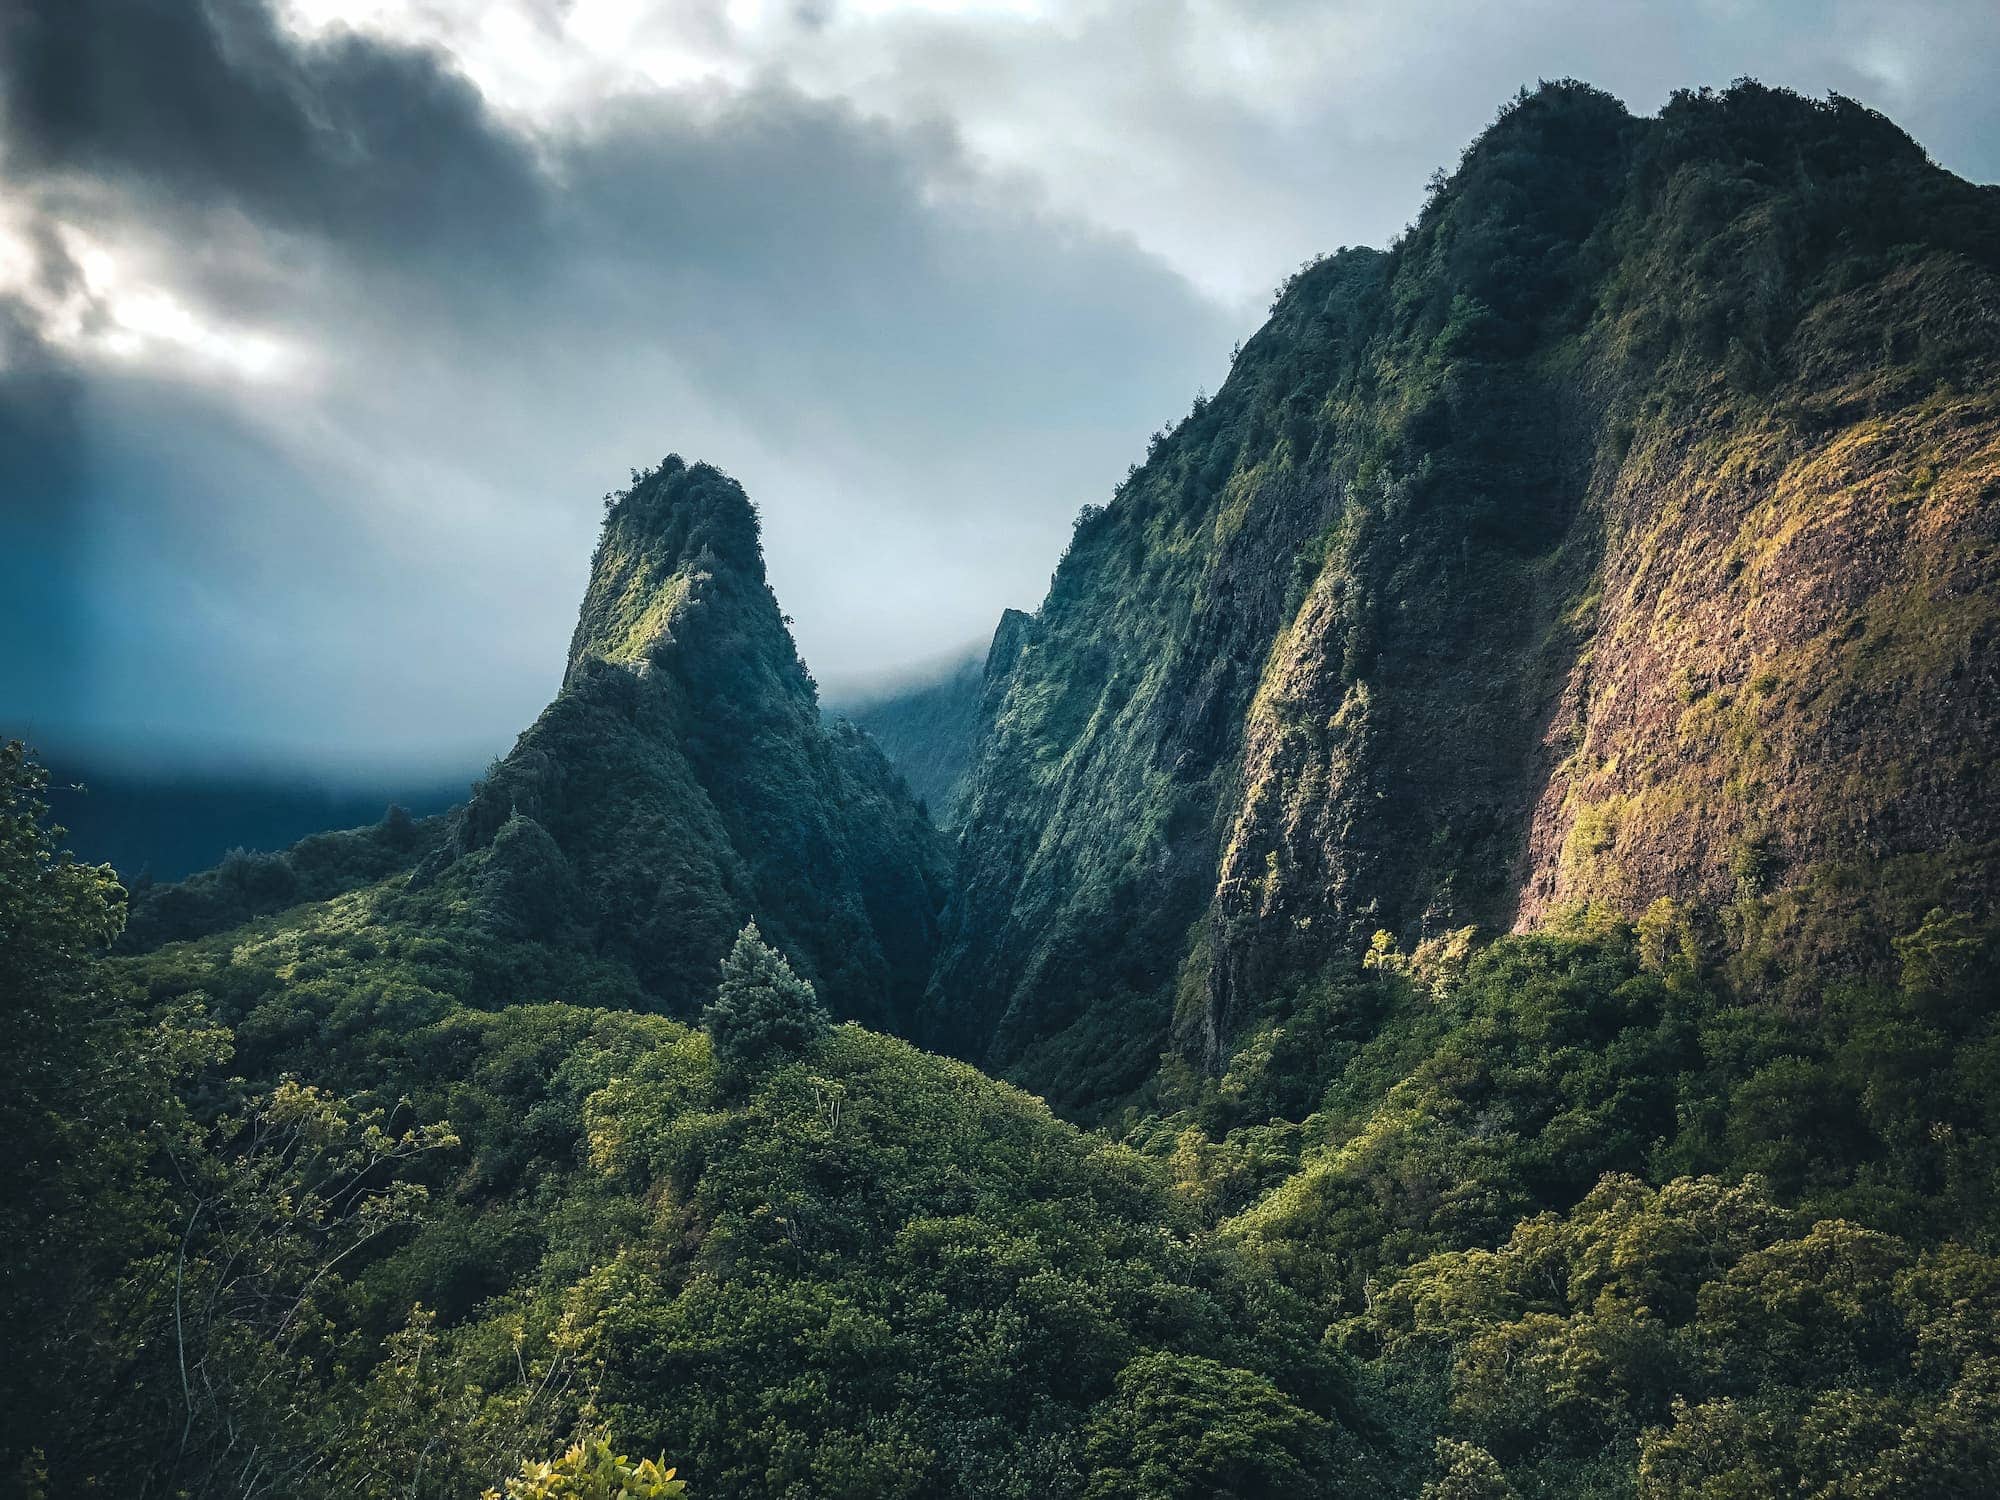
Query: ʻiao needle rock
{"x": 683, "y": 780}
{"x": 1453, "y": 956}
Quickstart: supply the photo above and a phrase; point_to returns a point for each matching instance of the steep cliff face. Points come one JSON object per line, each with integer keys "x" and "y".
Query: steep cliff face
{"x": 1627, "y": 531}
{"x": 685, "y": 781}
{"x": 1088, "y": 840}
{"x": 1792, "y": 671}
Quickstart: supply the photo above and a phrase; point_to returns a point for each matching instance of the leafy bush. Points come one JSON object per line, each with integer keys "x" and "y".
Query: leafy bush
{"x": 592, "y": 1470}
{"x": 1177, "y": 1428}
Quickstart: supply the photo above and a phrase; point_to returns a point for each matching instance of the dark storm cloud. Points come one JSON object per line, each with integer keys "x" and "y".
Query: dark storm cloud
{"x": 123, "y": 531}
{"x": 314, "y": 358}
{"x": 790, "y": 247}
{"x": 915, "y": 369}
{"x": 196, "y": 105}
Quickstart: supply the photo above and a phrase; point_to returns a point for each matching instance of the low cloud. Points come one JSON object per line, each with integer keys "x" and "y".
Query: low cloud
{"x": 372, "y": 549}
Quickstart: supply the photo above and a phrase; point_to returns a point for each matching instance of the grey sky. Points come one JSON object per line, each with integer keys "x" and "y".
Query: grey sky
{"x": 326, "y": 323}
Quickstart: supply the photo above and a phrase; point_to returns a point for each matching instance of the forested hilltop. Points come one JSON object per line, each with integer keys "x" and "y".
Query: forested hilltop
{"x": 1487, "y": 848}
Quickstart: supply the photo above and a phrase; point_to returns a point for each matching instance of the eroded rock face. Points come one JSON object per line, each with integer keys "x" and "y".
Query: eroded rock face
{"x": 1794, "y": 671}
{"x": 1628, "y": 531}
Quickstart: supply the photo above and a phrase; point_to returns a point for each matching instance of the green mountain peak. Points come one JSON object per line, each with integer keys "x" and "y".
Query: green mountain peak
{"x": 677, "y": 536}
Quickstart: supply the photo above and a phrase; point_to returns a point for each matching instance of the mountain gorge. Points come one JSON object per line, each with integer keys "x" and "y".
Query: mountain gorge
{"x": 932, "y": 729}
{"x": 1452, "y": 956}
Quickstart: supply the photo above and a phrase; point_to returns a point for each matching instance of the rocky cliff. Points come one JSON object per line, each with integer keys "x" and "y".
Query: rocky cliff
{"x": 1626, "y": 532}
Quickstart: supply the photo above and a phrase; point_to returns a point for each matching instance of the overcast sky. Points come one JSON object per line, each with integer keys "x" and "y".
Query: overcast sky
{"x": 325, "y": 325}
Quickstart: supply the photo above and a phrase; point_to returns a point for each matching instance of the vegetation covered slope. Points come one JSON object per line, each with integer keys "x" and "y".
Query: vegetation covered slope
{"x": 293, "y": 1212}
{"x": 253, "y": 883}
{"x": 1617, "y": 535}
{"x": 1599, "y": 1222}
{"x": 156, "y": 825}
{"x": 305, "y": 1209}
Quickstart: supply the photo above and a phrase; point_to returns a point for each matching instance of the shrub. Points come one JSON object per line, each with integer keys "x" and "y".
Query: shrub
{"x": 762, "y": 1013}
{"x": 592, "y": 1470}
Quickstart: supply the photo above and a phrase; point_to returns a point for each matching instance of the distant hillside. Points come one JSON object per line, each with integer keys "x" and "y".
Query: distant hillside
{"x": 931, "y": 730}
{"x": 168, "y": 825}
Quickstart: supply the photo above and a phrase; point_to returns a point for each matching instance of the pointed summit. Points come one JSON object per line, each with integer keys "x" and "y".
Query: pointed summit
{"x": 684, "y": 778}
{"x": 666, "y": 541}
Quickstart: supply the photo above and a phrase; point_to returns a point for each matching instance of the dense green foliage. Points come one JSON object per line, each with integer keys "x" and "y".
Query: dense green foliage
{"x": 1553, "y": 1214}
{"x": 75, "y": 1194}
{"x": 1464, "y": 1194}
{"x": 172, "y": 1288}
{"x": 838, "y": 1266}
{"x": 592, "y": 1470}
{"x": 398, "y": 1166}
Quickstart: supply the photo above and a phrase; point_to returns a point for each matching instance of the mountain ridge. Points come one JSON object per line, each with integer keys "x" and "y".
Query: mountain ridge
{"x": 1450, "y": 454}
{"x": 1407, "y": 628}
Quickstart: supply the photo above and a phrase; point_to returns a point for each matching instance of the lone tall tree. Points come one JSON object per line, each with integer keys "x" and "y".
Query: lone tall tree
{"x": 762, "y": 1013}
